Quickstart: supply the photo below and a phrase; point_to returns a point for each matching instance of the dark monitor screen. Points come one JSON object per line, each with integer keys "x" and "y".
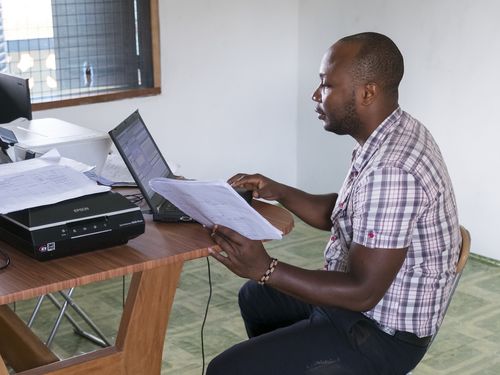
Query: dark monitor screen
{"x": 141, "y": 154}
{"x": 15, "y": 98}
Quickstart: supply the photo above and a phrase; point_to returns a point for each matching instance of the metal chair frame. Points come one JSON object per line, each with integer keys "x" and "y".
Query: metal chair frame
{"x": 100, "y": 339}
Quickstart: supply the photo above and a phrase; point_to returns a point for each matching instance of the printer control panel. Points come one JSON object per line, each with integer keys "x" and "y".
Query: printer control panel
{"x": 86, "y": 228}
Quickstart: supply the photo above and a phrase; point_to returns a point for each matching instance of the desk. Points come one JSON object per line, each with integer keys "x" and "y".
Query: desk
{"x": 155, "y": 259}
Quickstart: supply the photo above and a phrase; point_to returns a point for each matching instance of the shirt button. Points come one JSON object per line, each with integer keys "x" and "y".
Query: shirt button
{"x": 371, "y": 234}
{"x": 333, "y": 238}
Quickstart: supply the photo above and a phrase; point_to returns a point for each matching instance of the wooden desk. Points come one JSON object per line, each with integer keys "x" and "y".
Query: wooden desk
{"x": 155, "y": 259}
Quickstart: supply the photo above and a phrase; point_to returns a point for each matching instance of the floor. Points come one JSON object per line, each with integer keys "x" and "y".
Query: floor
{"x": 468, "y": 342}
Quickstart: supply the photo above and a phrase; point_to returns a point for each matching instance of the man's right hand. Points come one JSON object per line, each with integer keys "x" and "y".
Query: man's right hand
{"x": 261, "y": 186}
{"x": 315, "y": 209}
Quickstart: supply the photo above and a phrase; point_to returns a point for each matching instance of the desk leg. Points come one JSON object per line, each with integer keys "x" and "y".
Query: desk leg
{"x": 3, "y": 369}
{"x": 139, "y": 344}
{"x": 144, "y": 322}
{"x": 20, "y": 347}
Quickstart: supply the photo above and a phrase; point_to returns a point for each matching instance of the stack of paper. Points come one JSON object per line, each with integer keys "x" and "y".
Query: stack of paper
{"x": 216, "y": 202}
{"x": 45, "y": 180}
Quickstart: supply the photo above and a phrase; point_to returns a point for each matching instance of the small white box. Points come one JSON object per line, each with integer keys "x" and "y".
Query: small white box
{"x": 72, "y": 141}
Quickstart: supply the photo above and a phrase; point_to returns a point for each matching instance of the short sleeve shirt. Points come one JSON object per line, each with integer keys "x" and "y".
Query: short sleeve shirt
{"x": 398, "y": 194}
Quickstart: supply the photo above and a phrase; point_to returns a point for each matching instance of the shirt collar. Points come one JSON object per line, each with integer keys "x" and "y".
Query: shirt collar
{"x": 362, "y": 154}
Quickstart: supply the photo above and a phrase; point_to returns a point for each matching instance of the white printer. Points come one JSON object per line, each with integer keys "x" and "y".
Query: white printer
{"x": 35, "y": 137}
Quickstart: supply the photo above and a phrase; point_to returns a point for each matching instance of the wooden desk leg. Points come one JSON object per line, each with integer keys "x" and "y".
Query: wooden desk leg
{"x": 3, "y": 369}
{"x": 144, "y": 322}
{"x": 139, "y": 345}
{"x": 20, "y": 347}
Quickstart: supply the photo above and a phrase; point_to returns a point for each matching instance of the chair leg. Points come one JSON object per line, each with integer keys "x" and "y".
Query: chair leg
{"x": 100, "y": 339}
{"x": 35, "y": 311}
{"x": 57, "y": 323}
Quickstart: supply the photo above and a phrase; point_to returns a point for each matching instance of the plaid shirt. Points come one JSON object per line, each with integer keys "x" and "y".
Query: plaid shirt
{"x": 398, "y": 194}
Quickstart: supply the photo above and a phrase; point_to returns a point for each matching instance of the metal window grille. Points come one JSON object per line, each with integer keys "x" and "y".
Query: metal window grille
{"x": 96, "y": 47}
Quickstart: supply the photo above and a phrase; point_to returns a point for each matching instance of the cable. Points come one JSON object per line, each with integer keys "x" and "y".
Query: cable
{"x": 123, "y": 292}
{"x": 205, "y": 317}
{"x": 6, "y": 259}
{"x": 134, "y": 198}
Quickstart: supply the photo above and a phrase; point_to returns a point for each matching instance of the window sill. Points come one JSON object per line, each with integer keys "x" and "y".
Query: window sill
{"x": 101, "y": 98}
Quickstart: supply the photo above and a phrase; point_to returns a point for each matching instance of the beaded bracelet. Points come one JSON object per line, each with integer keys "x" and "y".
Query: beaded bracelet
{"x": 269, "y": 271}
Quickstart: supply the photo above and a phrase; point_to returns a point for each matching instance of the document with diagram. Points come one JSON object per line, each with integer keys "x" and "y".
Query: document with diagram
{"x": 216, "y": 202}
{"x": 41, "y": 181}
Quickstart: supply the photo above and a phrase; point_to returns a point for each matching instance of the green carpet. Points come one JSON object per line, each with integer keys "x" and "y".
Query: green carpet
{"x": 468, "y": 342}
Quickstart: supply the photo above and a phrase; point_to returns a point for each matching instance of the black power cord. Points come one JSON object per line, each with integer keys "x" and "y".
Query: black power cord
{"x": 5, "y": 259}
{"x": 205, "y": 317}
{"x": 5, "y": 264}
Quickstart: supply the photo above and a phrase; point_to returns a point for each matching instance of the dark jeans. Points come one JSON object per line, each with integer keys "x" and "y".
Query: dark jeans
{"x": 290, "y": 337}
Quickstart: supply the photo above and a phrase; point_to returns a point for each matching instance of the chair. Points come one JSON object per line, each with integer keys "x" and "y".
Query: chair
{"x": 462, "y": 260}
{"x": 98, "y": 339}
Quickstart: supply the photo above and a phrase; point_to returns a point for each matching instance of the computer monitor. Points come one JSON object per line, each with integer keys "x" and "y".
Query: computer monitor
{"x": 15, "y": 98}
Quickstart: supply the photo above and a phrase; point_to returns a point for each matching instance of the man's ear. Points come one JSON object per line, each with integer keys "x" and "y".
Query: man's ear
{"x": 369, "y": 93}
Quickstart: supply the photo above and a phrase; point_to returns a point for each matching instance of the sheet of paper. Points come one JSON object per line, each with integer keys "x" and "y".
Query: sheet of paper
{"x": 41, "y": 181}
{"x": 115, "y": 170}
{"x": 215, "y": 202}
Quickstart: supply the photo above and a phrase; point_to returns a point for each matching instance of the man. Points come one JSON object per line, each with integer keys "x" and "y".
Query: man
{"x": 394, "y": 239}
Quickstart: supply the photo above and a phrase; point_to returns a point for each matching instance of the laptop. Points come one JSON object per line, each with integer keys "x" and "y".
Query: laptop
{"x": 145, "y": 161}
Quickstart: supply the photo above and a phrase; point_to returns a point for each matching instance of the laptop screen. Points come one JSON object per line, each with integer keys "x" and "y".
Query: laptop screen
{"x": 141, "y": 155}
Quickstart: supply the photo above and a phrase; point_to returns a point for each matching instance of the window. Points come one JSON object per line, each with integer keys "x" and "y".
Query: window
{"x": 81, "y": 51}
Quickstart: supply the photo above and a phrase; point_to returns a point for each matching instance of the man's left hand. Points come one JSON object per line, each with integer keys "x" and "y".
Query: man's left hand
{"x": 246, "y": 258}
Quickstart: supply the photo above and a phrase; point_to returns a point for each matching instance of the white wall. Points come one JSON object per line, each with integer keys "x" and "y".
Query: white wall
{"x": 452, "y": 57}
{"x": 238, "y": 76}
{"x": 229, "y": 85}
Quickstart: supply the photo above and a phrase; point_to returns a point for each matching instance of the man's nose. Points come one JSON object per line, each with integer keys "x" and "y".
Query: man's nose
{"x": 316, "y": 96}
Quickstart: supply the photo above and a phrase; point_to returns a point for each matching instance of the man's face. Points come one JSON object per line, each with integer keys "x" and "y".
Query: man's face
{"x": 335, "y": 95}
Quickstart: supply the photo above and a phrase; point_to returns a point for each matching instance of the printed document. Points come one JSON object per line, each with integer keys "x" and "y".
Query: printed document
{"x": 216, "y": 202}
{"x": 41, "y": 181}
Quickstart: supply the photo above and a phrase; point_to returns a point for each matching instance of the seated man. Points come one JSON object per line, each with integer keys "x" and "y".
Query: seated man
{"x": 394, "y": 244}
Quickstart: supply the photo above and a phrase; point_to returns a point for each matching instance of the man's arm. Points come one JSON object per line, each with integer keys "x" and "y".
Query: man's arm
{"x": 315, "y": 210}
{"x": 370, "y": 272}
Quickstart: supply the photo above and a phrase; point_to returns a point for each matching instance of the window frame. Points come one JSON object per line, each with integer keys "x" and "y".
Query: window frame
{"x": 123, "y": 94}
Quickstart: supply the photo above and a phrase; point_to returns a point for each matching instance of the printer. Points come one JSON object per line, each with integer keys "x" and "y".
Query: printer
{"x": 36, "y": 137}
{"x": 73, "y": 226}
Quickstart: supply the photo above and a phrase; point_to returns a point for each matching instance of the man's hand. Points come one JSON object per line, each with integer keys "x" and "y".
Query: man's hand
{"x": 246, "y": 258}
{"x": 261, "y": 186}
{"x": 315, "y": 210}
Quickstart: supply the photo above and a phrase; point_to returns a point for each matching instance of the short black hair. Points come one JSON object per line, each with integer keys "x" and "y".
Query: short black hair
{"x": 378, "y": 60}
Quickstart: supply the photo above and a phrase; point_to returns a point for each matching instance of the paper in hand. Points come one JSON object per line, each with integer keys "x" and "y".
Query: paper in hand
{"x": 216, "y": 202}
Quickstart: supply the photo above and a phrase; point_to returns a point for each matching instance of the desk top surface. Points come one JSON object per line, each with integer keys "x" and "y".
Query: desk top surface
{"x": 162, "y": 243}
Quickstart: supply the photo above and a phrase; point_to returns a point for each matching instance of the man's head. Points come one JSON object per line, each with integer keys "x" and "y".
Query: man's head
{"x": 360, "y": 76}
